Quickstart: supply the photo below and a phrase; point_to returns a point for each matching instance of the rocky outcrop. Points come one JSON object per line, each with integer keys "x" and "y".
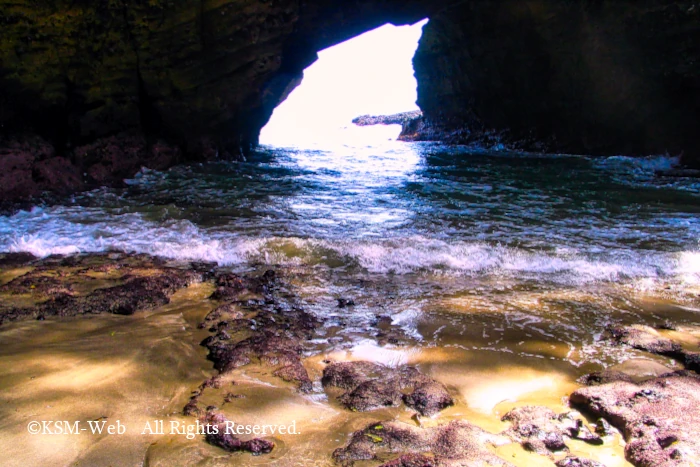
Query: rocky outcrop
{"x": 371, "y": 386}
{"x": 541, "y": 430}
{"x": 58, "y": 286}
{"x": 29, "y": 165}
{"x": 202, "y": 78}
{"x": 658, "y": 418}
{"x": 589, "y": 77}
{"x": 396, "y": 119}
{"x": 271, "y": 333}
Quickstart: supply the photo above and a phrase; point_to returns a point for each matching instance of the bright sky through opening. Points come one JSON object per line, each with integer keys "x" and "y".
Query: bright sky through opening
{"x": 369, "y": 74}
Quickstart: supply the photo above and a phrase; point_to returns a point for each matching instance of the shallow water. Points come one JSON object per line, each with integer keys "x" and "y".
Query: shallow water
{"x": 498, "y": 273}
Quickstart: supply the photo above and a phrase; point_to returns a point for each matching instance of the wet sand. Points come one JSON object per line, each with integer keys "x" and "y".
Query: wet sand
{"x": 494, "y": 348}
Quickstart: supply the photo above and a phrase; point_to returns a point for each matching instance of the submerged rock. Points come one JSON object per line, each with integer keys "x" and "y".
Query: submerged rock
{"x": 370, "y": 386}
{"x": 658, "y": 418}
{"x": 142, "y": 283}
{"x": 650, "y": 340}
{"x": 137, "y": 294}
{"x": 644, "y": 338}
{"x": 455, "y": 444}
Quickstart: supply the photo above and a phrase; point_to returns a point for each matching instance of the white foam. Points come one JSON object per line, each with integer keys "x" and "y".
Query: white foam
{"x": 68, "y": 230}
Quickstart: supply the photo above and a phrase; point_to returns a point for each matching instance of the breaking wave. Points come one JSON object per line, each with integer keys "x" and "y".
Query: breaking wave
{"x": 182, "y": 240}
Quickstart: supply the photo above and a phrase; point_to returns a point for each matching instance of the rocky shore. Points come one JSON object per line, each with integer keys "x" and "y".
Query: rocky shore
{"x": 255, "y": 321}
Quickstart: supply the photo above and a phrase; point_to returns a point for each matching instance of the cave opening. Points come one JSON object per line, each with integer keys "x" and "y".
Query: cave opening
{"x": 370, "y": 74}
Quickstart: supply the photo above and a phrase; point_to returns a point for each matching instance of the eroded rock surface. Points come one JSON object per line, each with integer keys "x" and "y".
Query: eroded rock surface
{"x": 135, "y": 283}
{"x": 222, "y": 437}
{"x": 541, "y": 430}
{"x": 267, "y": 331}
{"x": 659, "y": 418}
{"x": 455, "y": 444}
{"x": 370, "y": 386}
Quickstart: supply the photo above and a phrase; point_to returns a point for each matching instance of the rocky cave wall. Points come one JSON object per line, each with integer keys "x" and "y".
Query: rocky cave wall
{"x": 583, "y": 77}
{"x": 110, "y": 86}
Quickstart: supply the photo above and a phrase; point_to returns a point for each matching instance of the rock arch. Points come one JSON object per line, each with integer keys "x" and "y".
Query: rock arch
{"x": 589, "y": 76}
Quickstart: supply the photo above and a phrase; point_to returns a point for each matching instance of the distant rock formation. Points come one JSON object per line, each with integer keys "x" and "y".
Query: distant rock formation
{"x": 411, "y": 123}
{"x": 396, "y": 119}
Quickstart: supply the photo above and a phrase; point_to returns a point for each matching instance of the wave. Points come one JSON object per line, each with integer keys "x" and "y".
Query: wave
{"x": 639, "y": 165}
{"x": 182, "y": 240}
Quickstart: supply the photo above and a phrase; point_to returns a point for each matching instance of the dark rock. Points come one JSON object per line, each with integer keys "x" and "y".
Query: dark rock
{"x": 221, "y": 314}
{"x": 58, "y": 175}
{"x": 270, "y": 335}
{"x": 108, "y": 161}
{"x": 428, "y": 398}
{"x": 345, "y": 302}
{"x": 221, "y": 437}
{"x": 691, "y": 360}
{"x": 37, "y": 284}
{"x": 16, "y": 259}
{"x": 137, "y": 294}
{"x": 349, "y": 375}
{"x": 29, "y": 166}
{"x": 602, "y": 78}
{"x": 370, "y": 386}
{"x": 536, "y": 428}
{"x": 202, "y": 79}
{"x": 603, "y": 428}
{"x": 451, "y": 445}
{"x": 571, "y": 461}
{"x": 205, "y": 76}
{"x": 229, "y": 287}
{"x": 658, "y": 418}
{"x": 371, "y": 395}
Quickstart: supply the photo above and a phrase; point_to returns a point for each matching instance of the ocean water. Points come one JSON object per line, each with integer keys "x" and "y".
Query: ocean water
{"x": 389, "y": 207}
